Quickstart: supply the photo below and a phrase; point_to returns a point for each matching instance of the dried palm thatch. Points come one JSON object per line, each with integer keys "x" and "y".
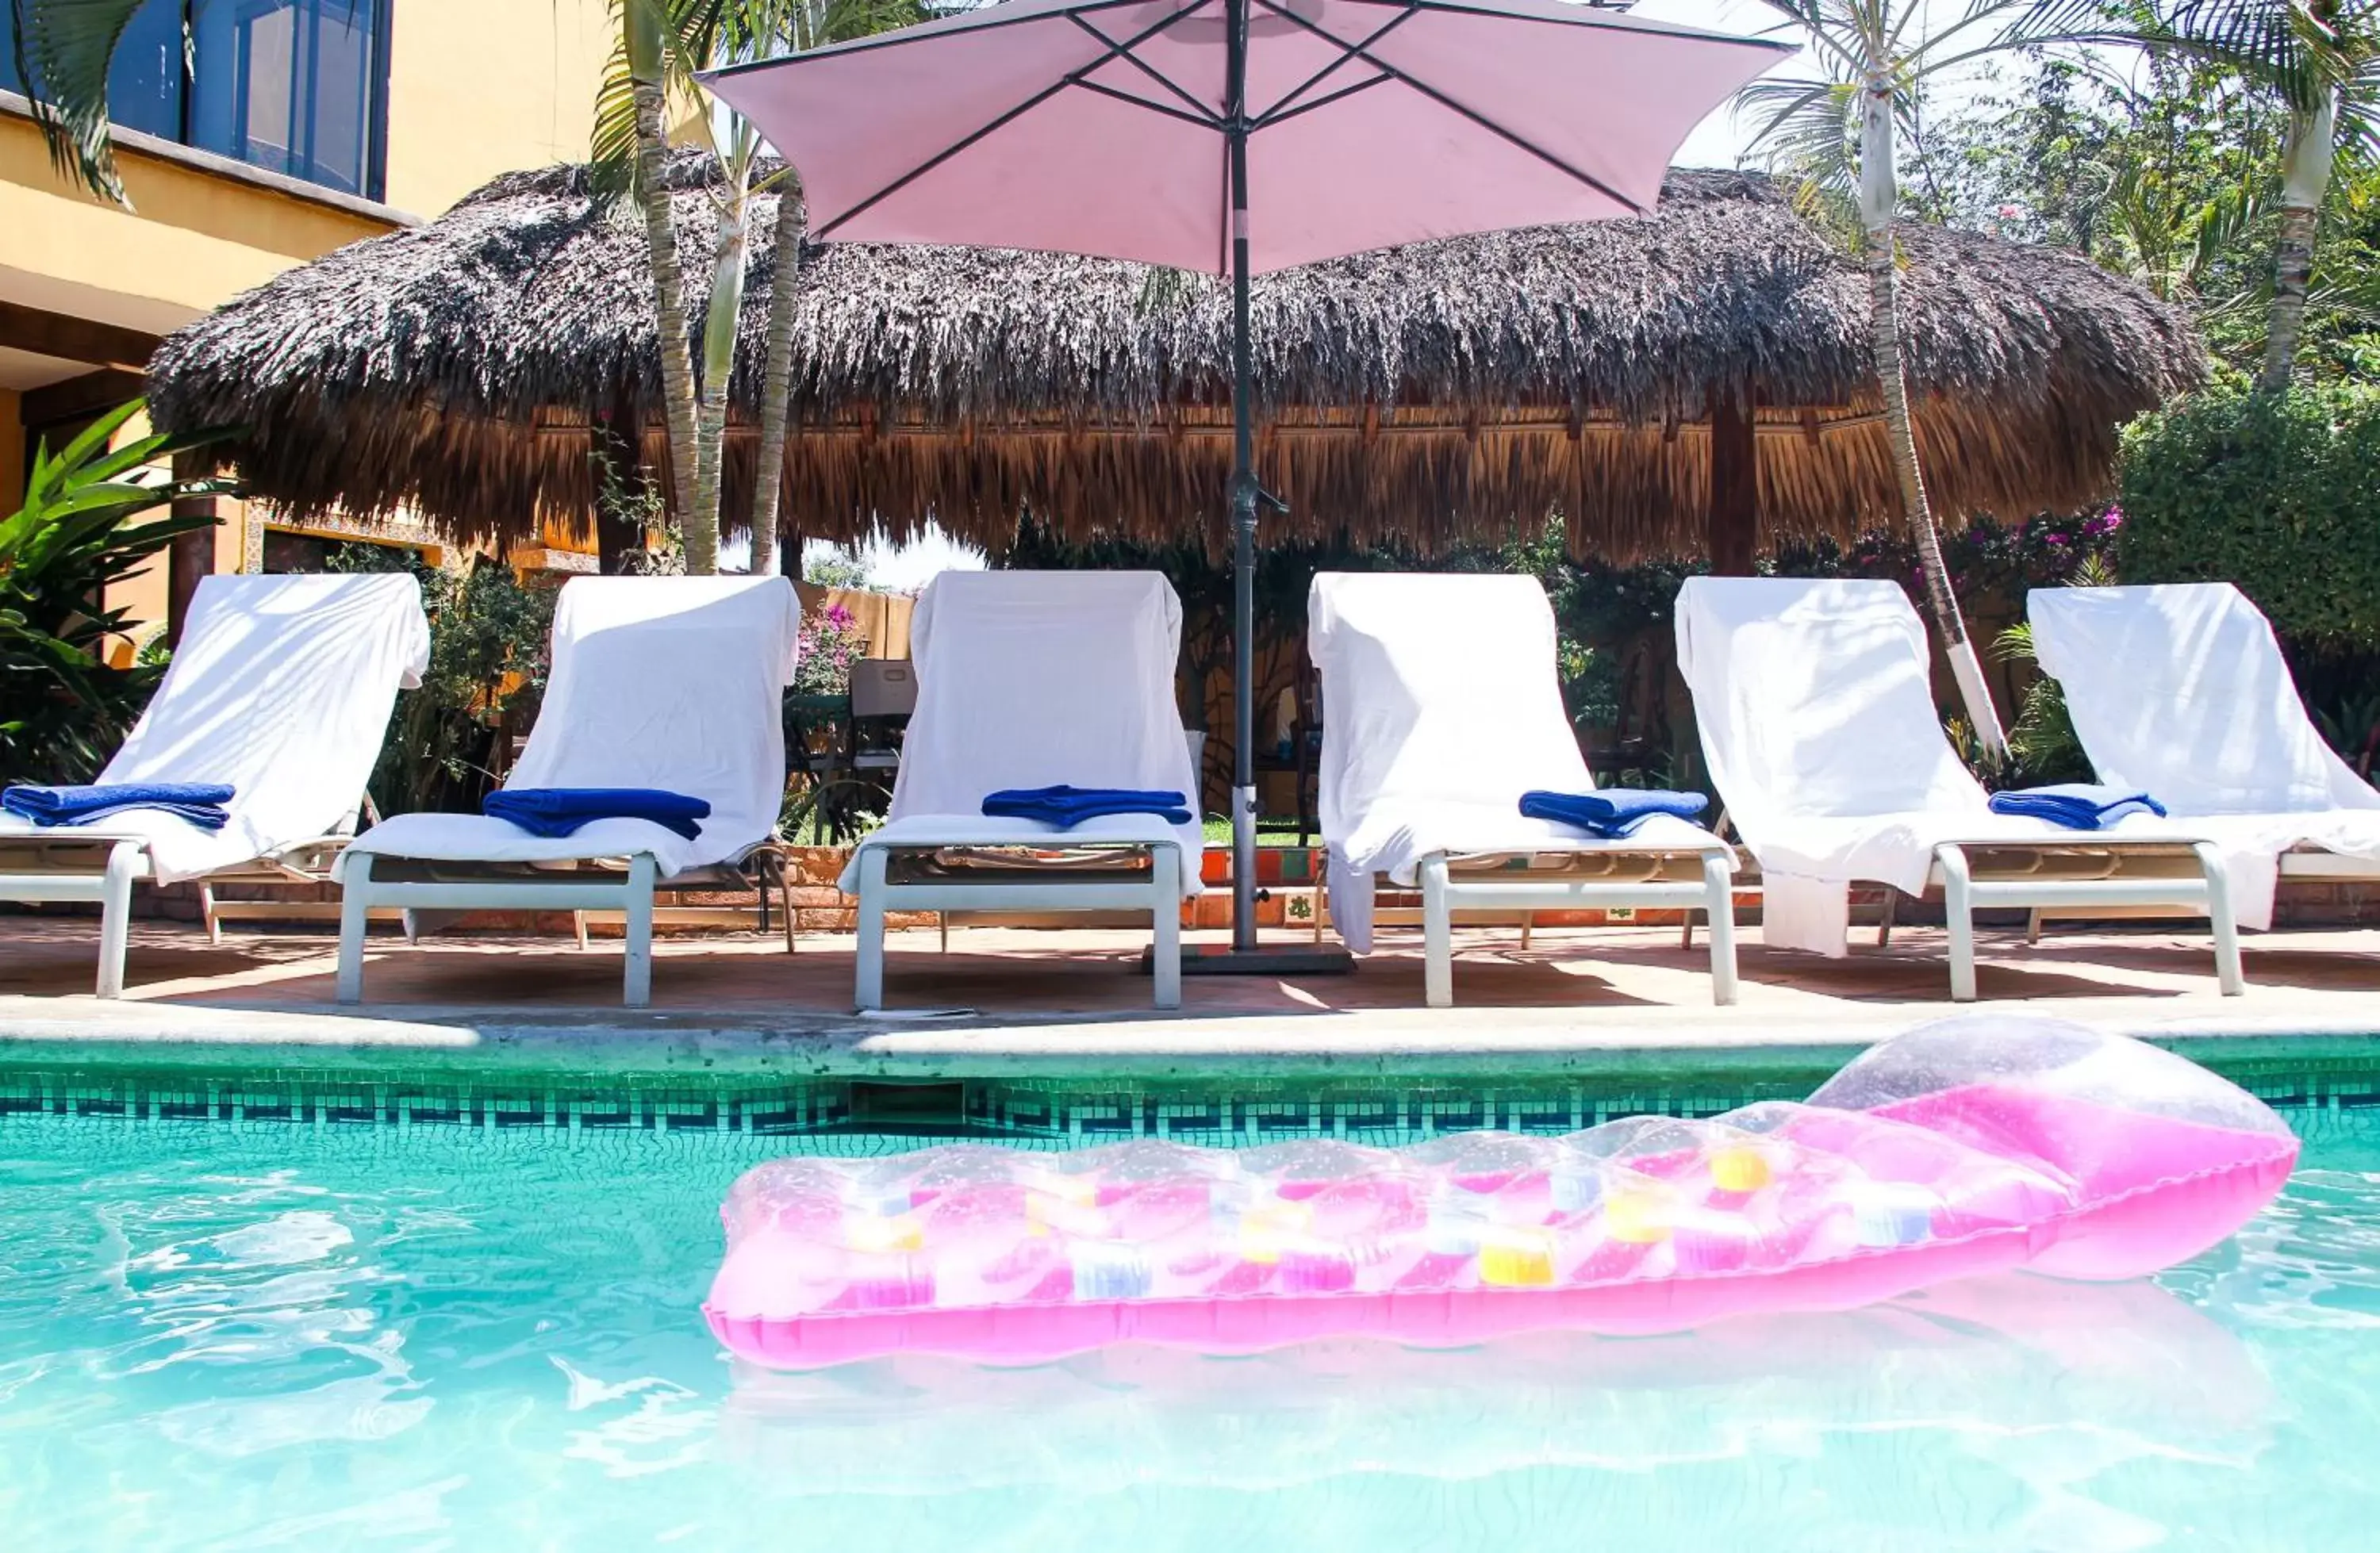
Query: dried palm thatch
{"x": 1436, "y": 393}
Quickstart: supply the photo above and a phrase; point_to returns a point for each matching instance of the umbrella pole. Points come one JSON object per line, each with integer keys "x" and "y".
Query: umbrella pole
{"x": 1244, "y": 958}
{"x": 1243, "y": 496}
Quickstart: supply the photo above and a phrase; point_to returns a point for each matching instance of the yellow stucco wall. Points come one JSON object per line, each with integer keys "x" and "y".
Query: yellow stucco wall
{"x": 481, "y": 87}
{"x": 192, "y": 239}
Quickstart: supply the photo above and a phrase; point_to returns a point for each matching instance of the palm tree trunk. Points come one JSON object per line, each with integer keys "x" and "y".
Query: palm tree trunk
{"x": 661, "y": 241}
{"x": 718, "y": 370}
{"x": 1879, "y": 199}
{"x": 776, "y": 384}
{"x": 2305, "y": 177}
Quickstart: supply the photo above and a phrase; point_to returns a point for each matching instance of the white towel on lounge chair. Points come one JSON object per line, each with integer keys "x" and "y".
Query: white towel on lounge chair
{"x": 1440, "y": 708}
{"x": 2182, "y": 689}
{"x": 1816, "y": 713}
{"x": 281, "y": 687}
{"x": 673, "y": 683}
{"x": 1028, "y": 679}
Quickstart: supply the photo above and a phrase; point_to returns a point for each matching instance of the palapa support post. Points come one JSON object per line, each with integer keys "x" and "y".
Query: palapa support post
{"x": 1735, "y": 532}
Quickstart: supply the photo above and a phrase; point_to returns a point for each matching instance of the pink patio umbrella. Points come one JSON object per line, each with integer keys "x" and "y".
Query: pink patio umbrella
{"x": 1236, "y": 136}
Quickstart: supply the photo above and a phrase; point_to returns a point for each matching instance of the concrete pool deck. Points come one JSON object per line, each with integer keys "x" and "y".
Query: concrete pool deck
{"x": 1015, "y": 1002}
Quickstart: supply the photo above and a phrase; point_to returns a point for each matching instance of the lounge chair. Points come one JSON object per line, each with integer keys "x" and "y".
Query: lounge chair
{"x": 281, "y": 689}
{"x": 1029, "y": 680}
{"x": 669, "y": 683}
{"x": 2181, "y": 690}
{"x": 1818, "y": 725}
{"x": 1443, "y": 709}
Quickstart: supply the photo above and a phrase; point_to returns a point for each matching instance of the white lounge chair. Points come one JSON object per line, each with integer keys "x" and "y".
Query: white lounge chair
{"x": 1026, "y": 680}
{"x": 1818, "y": 724}
{"x": 669, "y": 683}
{"x": 281, "y": 687}
{"x": 1443, "y": 709}
{"x": 2181, "y": 691}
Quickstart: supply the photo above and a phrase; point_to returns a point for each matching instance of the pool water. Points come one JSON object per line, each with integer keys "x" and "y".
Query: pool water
{"x": 289, "y": 1335}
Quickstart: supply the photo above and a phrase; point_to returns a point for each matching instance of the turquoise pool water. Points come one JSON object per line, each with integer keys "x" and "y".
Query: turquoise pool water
{"x": 269, "y": 1335}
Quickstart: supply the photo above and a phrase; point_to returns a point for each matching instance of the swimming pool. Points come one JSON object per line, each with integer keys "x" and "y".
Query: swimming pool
{"x": 429, "y": 1328}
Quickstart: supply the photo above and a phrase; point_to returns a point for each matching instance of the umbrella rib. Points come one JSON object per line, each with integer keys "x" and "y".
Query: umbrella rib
{"x": 1279, "y": 116}
{"x": 1442, "y": 100}
{"x": 901, "y": 38}
{"x": 1280, "y": 108}
{"x": 1617, "y": 22}
{"x": 1071, "y": 77}
{"x": 1204, "y": 121}
{"x": 1206, "y": 116}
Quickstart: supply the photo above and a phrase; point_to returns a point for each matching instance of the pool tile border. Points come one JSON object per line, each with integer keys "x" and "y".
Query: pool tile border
{"x": 1234, "y": 1111}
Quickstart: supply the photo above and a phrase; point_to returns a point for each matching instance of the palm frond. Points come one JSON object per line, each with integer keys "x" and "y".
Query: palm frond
{"x": 64, "y": 49}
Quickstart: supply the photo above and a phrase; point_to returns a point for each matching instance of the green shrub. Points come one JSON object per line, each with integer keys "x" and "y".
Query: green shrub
{"x": 449, "y": 740}
{"x": 63, "y": 709}
{"x": 2279, "y": 493}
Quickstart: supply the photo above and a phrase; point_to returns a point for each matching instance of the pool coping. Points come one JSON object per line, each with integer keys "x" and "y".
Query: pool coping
{"x": 1504, "y": 1045}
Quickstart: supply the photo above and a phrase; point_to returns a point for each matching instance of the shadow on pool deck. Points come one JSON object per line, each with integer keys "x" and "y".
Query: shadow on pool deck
{"x": 1012, "y": 979}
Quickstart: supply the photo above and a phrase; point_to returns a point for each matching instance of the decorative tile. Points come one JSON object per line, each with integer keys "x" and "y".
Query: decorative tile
{"x": 884, "y": 1116}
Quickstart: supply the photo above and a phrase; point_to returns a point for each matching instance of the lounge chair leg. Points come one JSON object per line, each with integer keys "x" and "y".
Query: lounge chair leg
{"x": 942, "y": 923}
{"x": 1165, "y": 914}
{"x": 2220, "y": 914}
{"x": 207, "y": 915}
{"x": 867, "y": 991}
{"x": 579, "y": 929}
{"x": 1718, "y": 879}
{"x": 1958, "y": 913}
{"x": 1437, "y": 935}
{"x": 1686, "y": 930}
{"x": 115, "y": 915}
{"x": 1884, "y": 925}
{"x": 2032, "y": 928}
{"x": 354, "y": 913}
{"x": 1528, "y": 920}
{"x": 639, "y": 990}
{"x": 785, "y": 903}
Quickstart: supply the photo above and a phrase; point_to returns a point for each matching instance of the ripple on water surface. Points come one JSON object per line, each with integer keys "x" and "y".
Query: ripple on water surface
{"x": 281, "y": 1336}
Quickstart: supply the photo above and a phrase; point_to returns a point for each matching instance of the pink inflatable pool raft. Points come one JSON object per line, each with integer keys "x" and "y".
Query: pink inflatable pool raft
{"x": 1974, "y": 1145}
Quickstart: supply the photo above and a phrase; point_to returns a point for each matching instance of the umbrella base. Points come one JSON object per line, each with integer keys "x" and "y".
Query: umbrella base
{"x": 1274, "y": 960}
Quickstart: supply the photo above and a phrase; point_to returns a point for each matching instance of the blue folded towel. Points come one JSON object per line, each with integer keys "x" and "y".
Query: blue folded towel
{"x": 560, "y": 811}
{"x": 1065, "y": 807}
{"x": 1613, "y": 811}
{"x": 200, "y": 803}
{"x": 2078, "y": 805}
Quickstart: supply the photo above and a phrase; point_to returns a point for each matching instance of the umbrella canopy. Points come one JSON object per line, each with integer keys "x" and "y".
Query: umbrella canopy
{"x": 1103, "y": 127}
{"x": 1174, "y": 131}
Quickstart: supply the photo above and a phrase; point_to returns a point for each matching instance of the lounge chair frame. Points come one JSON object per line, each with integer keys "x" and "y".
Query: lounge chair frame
{"x": 625, "y": 885}
{"x": 1633, "y": 878}
{"x": 1023, "y": 889}
{"x": 70, "y": 866}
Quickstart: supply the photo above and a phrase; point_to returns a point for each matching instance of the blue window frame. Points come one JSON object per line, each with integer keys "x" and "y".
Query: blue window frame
{"x": 297, "y": 86}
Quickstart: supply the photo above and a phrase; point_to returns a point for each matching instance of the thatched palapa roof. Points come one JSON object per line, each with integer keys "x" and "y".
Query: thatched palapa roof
{"x": 1433, "y": 391}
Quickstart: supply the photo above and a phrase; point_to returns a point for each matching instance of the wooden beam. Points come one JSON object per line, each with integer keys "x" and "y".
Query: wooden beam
{"x": 74, "y": 339}
{"x": 1734, "y": 483}
{"x": 77, "y": 398}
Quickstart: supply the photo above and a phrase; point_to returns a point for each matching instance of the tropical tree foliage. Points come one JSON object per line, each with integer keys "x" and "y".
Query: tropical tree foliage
{"x": 1841, "y": 126}
{"x": 63, "y": 708}
{"x": 663, "y": 44}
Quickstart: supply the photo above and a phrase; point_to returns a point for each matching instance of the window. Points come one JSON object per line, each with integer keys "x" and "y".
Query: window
{"x": 294, "y": 85}
{"x": 297, "y": 86}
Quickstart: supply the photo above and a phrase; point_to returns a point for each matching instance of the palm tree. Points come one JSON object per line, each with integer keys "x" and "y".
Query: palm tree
{"x": 686, "y": 36}
{"x": 641, "y": 63}
{"x": 2322, "y": 59}
{"x": 1838, "y": 128}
